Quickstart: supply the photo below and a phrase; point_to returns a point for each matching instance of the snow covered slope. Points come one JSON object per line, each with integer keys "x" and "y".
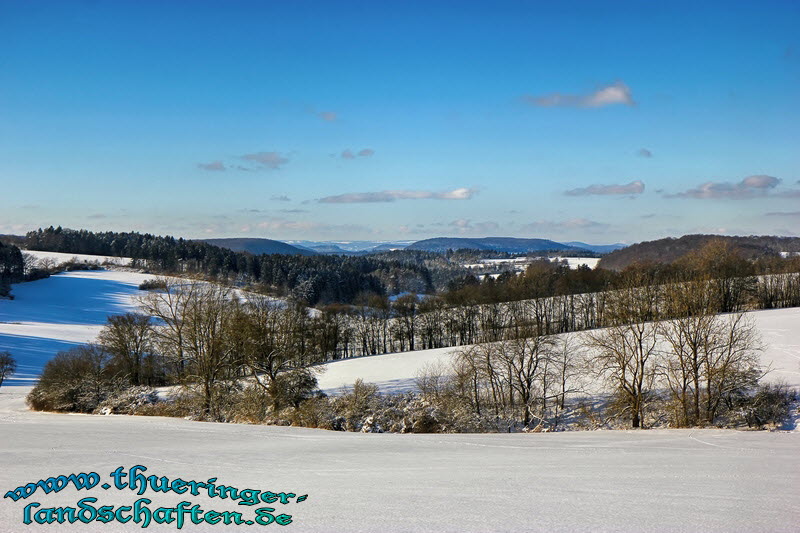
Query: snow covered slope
{"x": 54, "y": 314}
{"x": 58, "y": 258}
{"x": 615, "y": 481}
{"x": 780, "y": 331}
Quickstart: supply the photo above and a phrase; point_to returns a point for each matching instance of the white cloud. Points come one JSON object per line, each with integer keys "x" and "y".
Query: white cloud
{"x": 582, "y": 224}
{"x": 634, "y": 187}
{"x": 214, "y": 166}
{"x": 271, "y": 160}
{"x": 465, "y": 226}
{"x": 462, "y": 193}
{"x": 614, "y": 94}
{"x": 349, "y": 154}
{"x": 750, "y": 187}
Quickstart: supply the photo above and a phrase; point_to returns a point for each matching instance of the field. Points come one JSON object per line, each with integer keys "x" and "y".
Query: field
{"x": 658, "y": 480}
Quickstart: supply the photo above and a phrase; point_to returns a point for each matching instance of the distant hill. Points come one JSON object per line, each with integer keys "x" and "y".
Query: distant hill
{"x": 597, "y": 248}
{"x": 350, "y": 247}
{"x": 259, "y": 246}
{"x": 671, "y": 249}
{"x": 495, "y": 244}
{"x": 328, "y": 249}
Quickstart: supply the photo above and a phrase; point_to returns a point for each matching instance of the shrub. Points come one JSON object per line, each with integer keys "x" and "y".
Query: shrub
{"x": 155, "y": 284}
{"x": 770, "y": 405}
{"x": 77, "y": 380}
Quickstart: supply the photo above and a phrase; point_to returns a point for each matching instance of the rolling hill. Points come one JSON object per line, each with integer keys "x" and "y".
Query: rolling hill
{"x": 495, "y": 244}
{"x": 257, "y": 246}
{"x": 671, "y": 249}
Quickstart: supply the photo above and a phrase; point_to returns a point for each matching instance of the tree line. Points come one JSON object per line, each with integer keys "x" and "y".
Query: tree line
{"x": 12, "y": 268}
{"x": 665, "y": 356}
{"x": 313, "y": 280}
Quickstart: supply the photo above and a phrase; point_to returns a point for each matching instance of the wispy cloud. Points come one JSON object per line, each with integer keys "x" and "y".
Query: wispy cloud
{"x": 581, "y": 224}
{"x": 303, "y": 226}
{"x": 792, "y": 214}
{"x": 644, "y": 152}
{"x": 281, "y": 198}
{"x": 750, "y": 187}
{"x": 270, "y": 160}
{"x": 349, "y": 154}
{"x": 615, "y": 94}
{"x": 634, "y": 187}
{"x": 462, "y": 193}
{"x": 328, "y": 116}
{"x": 214, "y": 166}
{"x": 464, "y": 226}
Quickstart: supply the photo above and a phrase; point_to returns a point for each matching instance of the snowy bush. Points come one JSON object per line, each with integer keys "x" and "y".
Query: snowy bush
{"x": 77, "y": 380}
{"x": 127, "y": 400}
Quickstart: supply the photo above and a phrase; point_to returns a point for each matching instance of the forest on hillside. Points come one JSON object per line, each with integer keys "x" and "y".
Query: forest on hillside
{"x": 672, "y": 249}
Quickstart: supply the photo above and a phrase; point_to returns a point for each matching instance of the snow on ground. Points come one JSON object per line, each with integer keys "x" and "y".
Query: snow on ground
{"x": 58, "y": 258}
{"x": 57, "y": 313}
{"x": 575, "y": 262}
{"x": 780, "y": 331}
{"x": 656, "y": 480}
{"x": 621, "y": 481}
{"x": 519, "y": 264}
{"x": 395, "y": 372}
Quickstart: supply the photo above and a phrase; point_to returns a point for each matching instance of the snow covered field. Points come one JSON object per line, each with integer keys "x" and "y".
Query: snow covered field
{"x": 58, "y": 258}
{"x": 519, "y": 264}
{"x": 658, "y": 480}
{"x": 780, "y": 331}
{"x": 55, "y": 314}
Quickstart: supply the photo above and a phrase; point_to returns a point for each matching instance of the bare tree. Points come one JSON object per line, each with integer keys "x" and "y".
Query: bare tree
{"x": 525, "y": 362}
{"x": 687, "y": 336}
{"x": 128, "y": 338}
{"x": 269, "y": 339}
{"x": 732, "y": 362}
{"x": 624, "y": 352}
{"x": 197, "y": 318}
{"x": 563, "y": 371}
{"x": 8, "y": 366}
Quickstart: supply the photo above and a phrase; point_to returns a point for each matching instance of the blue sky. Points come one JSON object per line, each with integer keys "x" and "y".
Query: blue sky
{"x": 591, "y": 121}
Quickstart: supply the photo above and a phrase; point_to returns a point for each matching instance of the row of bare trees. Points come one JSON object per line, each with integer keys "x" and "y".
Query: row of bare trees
{"x": 200, "y": 335}
{"x": 663, "y": 340}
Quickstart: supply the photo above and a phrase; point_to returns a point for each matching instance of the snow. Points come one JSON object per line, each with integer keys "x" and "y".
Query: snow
{"x": 575, "y": 262}
{"x": 59, "y": 258}
{"x": 779, "y": 328}
{"x": 395, "y": 372}
{"x": 657, "y": 480}
{"x": 60, "y": 312}
{"x": 519, "y": 264}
